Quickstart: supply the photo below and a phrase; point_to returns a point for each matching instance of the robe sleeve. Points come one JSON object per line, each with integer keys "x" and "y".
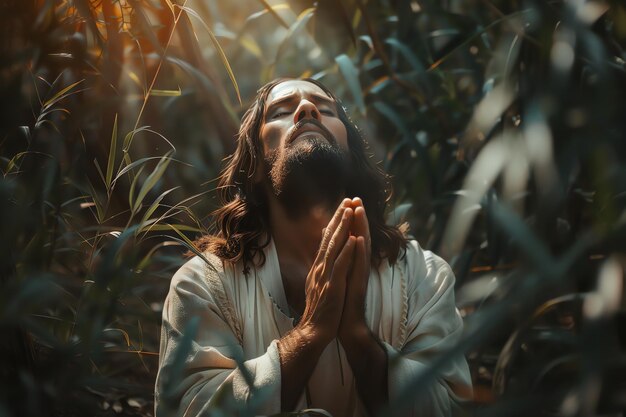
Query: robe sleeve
{"x": 199, "y": 371}
{"x": 433, "y": 326}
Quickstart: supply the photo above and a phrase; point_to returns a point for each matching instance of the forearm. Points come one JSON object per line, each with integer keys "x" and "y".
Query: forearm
{"x": 368, "y": 360}
{"x": 299, "y": 352}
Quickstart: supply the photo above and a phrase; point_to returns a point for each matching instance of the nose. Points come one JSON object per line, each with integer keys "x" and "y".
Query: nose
{"x": 306, "y": 110}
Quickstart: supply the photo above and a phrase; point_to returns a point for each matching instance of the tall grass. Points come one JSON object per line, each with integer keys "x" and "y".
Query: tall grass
{"x": 502, "y": 123}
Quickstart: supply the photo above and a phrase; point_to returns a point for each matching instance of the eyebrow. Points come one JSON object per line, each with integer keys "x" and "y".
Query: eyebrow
{"x": 318, "y": 98}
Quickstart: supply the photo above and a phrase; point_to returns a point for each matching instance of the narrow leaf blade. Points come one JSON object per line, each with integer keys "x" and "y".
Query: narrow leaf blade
{"x": 112, "y": 150}
{"x": 351, "y": 75}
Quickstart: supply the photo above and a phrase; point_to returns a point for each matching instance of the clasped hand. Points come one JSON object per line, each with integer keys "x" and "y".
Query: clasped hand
{"x": 337, "y": 282}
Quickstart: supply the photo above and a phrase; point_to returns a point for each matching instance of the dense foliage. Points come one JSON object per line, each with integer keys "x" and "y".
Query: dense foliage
{"x": 502, "y": 122}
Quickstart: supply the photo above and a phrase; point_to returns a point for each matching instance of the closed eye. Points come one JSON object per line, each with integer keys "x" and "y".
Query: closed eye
{"x": 279, "y": 114}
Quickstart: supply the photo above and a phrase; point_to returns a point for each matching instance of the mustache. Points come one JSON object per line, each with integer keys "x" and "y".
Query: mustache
{"x": 324, "y": 130}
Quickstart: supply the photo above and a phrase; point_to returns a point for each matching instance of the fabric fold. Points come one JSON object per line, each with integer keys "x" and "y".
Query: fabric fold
{"x": 232, "y": 362}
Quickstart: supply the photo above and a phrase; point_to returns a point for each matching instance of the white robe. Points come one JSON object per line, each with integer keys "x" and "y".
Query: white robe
{"x": 238, "y": 318}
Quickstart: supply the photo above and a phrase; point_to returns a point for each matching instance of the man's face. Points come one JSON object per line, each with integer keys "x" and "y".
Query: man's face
{"x": 298, "y": 111}
{"x": 305, "y": 147}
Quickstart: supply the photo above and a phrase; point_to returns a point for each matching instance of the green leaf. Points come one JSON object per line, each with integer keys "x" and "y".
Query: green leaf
{"x": 444, "y": 32}
{"x": 478, "y": 33}
{"x": 152, "y": 179}
{"x": 398, "y": 214}
{"x": 73, "y": 200}
{"x": 256, "y": 15}
{"x": 192, "y": 70}
{"x": 297, "y": 26}
{"x": 184, "y": 240}
{"x": 351, "y": 75}
{"x": 165, "y": 93}
{"x": 133, "y": 185}
{"x": 97, "y": 164}
{"x": 60, "y": 95}
{"x": 94, "y": 197}
{"x": 251, "y": 45}
{"x": 147, "y": 30}
{"x": 122, "y": 332}
{"x": 247, "y": 41}
{"x": 538, "y": 253}
{"x": 180, "y": 207}
{"x": 272, "y": 11}
{"x": 25, "y": 131}
{"x": 218, "y": 48}
{"x": 391, "y": 115}
{"x": 406, "y": 52}
{"x": 48, "y": 111}
{"x": 153, "y": 207}
{"x": 13, "y": 161}
{"x": 84, "y": 8}
{"x": 145, "y": 261}
{"x": 164, "y": 227}
{"x": 108, "y": 270}
{"x": 368, "y": 41}
{"x": 112, "y": 150}
{"x": 128, "y": 139}
{"x": 133, "y": 165}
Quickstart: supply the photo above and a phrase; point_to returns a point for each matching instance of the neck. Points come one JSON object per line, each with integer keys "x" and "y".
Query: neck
{"x": 297, "y": 241}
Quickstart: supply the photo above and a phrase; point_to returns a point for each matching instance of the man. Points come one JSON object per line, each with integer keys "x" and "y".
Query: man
{"x": 305, "y": 298}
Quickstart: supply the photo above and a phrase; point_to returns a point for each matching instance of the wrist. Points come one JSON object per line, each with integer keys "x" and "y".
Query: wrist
{"x": 305, "y": 337}
{"x": 355, "y": 335}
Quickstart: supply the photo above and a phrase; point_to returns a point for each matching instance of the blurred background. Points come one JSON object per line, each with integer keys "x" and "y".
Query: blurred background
{"x": 503, "y": 124}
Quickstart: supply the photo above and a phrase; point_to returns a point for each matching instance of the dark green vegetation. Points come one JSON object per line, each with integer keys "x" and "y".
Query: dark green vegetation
{"x": 503, "y": 123}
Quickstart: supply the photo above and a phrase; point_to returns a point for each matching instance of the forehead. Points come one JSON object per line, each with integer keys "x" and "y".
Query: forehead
{"x": 295, "y": 87}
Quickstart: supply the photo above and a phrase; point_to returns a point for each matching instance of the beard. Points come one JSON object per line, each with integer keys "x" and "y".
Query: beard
{"x": 309, "y": 173}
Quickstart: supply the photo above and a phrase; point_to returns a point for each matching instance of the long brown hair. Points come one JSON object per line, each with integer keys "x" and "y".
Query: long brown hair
{"x": 241, "y": 223}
